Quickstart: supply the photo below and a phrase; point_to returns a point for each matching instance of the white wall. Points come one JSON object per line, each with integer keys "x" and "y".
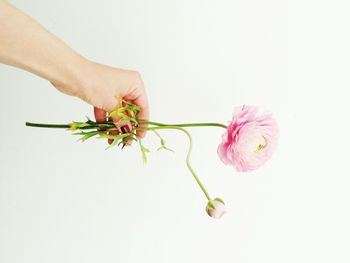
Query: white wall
{"x": 64, "y": 201}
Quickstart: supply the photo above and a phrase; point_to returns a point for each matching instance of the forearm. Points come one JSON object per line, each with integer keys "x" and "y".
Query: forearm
{"x": 27, "y": 45}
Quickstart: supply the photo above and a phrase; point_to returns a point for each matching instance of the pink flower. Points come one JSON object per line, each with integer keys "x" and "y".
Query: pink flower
{"x": 216, "y": 208}
{"x": 250, "y": 139}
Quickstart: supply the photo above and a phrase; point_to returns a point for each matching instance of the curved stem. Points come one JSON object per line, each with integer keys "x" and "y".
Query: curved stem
{"x": 188, "y": 153}
{"x": 93, "y": 125}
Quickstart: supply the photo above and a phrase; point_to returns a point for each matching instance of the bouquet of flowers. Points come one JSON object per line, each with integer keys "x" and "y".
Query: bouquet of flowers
{"x": 248, "y": 141}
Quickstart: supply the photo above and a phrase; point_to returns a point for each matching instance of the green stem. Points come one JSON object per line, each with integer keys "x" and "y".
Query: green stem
{"x": 95, "y": 124}
{"x": 185, "y": 124}
{"x": 44, "y": 125}
{"x": 160, "y": 126}
{"x": 188, "y": 153}
{"x": 60, "y": 126}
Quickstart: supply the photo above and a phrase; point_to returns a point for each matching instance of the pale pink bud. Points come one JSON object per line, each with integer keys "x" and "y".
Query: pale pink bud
{"x": 216, "y": 208}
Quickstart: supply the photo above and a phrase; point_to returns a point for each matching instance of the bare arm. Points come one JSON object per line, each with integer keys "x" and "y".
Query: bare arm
{"x": 25, "y": 44}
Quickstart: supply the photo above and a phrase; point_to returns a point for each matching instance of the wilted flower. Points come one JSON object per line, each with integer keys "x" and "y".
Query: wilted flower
{"x": 249, "y": 140}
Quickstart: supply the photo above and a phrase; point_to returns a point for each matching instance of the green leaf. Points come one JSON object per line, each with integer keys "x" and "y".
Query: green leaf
{"x": 162, "y": 143}
{"x": 114, "y": 143}
{"x": 115, "y": 112}
{"x": 165, "y": 148}
{"x": 79, "y": 133}
{"x": 89, "y": 120}
{"x": 77, "y": 125}
{"x": 128, "y": 112}
{"x": 114, "y": 137}
{"x": 143, "y": 149}
{"x": 88, "y": 135}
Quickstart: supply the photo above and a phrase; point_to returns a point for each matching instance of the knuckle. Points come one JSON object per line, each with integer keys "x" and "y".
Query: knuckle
{"x": 137, "y": 78}
{"x": 137, "y": 74}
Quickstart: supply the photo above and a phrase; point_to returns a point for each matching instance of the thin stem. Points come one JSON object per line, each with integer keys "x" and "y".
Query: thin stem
{"x": 184, "y": 124}
{"x": 43, "y": 125}
{"x": 61, "y": 126}
{"x": 95, "y": 124}
{"x": 188, "y": 152}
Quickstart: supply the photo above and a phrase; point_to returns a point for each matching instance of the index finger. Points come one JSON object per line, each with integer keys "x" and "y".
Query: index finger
{"x": 100, "y": 115}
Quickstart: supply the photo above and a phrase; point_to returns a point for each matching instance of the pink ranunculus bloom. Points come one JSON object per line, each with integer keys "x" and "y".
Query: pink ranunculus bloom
{"x": 250, "y": 139}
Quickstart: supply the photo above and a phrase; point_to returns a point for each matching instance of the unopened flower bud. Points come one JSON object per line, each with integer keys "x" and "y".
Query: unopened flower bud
{"x": 216, "y": 208}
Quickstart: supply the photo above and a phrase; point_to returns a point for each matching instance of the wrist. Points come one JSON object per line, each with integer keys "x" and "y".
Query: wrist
{"x": 73, "y": 77}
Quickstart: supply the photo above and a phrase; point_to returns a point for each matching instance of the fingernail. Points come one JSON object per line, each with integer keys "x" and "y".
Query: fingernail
{"x": 125, "y": 129}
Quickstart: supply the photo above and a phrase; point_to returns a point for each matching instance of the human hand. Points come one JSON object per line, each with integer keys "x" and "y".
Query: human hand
{"x": 25, "y": 44}
{"x": 101, "y": 86}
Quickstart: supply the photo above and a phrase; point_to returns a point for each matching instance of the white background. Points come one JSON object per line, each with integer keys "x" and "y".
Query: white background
{"x": 66, "y": 201}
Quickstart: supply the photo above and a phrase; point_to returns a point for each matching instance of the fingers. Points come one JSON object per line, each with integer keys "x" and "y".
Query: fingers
{"x": 122, "y": 125}
{"x": 100, "y": 115}
{"x": 136, "y": 96}
{"x": 142, "y": 102}
{"x": 110, "y": 141}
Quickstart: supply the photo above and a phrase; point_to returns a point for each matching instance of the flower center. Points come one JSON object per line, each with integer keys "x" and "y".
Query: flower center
{"x": 261, "y": 146}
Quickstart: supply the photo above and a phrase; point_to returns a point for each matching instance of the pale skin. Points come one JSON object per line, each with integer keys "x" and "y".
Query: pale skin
{"x": 25, "y": 44}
